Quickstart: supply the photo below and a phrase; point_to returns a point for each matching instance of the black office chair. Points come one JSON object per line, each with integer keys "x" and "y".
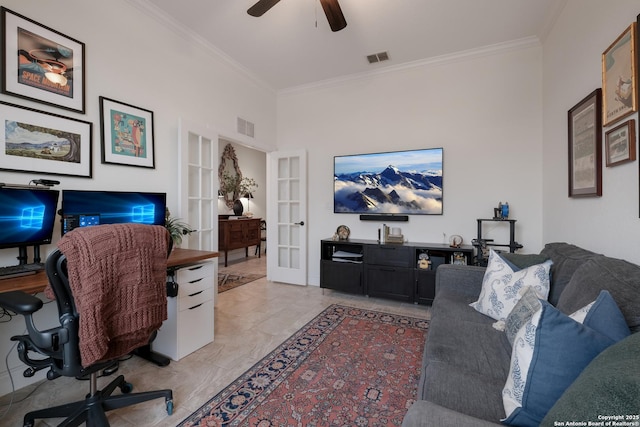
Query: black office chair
{"x": 61, "y": 348}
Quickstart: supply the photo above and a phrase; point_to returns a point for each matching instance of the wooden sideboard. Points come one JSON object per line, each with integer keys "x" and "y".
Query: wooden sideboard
{"x": 237, "y": 234}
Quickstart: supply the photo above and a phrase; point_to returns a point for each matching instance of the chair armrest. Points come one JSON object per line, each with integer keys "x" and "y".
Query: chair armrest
{"x": 464, "y": 279}
{"x": 20, "y": 302}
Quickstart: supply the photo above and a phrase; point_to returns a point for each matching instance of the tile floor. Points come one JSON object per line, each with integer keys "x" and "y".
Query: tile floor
{"x": 250, "y": 321}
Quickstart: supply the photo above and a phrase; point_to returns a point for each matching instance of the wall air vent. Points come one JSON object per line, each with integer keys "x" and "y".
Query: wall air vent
{"x": 245, "y": 127}
{"x": 378, "y": 57}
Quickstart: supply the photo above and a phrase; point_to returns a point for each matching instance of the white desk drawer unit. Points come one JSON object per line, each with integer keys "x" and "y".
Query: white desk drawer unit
{"x": 189, "y": 325}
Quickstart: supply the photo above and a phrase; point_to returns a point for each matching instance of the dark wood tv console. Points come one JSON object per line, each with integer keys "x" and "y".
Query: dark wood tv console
{"x": 385, "y": 270}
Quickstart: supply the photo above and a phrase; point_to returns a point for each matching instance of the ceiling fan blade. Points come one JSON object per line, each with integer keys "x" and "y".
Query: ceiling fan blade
{"x": 334, "y": 14}
{"x": 261, "y": 7}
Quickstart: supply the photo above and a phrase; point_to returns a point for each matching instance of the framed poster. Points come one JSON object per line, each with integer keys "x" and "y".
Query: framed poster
{"x": 41, "y": 64}
{"x": 41, "y": 142}
{"x": 585, "y": 146}
{"x": 127, "y": 134}
{"x": 619, "y": 79}
{"x": 620, "y": 144}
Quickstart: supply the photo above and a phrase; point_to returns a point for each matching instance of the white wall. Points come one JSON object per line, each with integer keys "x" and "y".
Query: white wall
{"x": 572, "y": 70}
{"x": 484, "y": 109}
{"x": 134, "y": 58}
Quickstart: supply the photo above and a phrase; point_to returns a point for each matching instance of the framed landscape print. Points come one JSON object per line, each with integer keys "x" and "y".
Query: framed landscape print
{"x": 39, "y": 142}
{"x": 619, "y": 77}
{"x": 585, "y": 146}
{"x": 41, "y": 64}
{"x": 620, "y": 144}
{"x": 127, "y": 134}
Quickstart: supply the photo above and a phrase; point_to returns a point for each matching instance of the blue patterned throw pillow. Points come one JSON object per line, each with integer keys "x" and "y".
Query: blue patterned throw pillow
{"x": 501, "y": 286}
{"x": 549, "y": 352}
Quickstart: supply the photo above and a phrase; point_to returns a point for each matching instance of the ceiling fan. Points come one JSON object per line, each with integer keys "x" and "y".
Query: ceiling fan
{"x": 331, "y": 9}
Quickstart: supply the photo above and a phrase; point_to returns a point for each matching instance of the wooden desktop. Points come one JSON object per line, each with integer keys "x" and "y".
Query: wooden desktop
{"x": 35, "y": 283}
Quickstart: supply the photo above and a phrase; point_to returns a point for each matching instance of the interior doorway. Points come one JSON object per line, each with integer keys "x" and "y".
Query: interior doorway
{"x": 251, "y": 163}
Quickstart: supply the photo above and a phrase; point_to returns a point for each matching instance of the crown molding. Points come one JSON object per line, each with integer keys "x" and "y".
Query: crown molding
{"x": 494, "y": 49}
{"x": 148, "y": 8}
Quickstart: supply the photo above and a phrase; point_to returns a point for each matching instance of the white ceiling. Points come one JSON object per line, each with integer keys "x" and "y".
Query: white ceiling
{"x": 285, "y": 48}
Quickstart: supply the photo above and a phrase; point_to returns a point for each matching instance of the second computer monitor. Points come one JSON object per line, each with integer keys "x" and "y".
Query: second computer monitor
{"x": 82, "y": 208}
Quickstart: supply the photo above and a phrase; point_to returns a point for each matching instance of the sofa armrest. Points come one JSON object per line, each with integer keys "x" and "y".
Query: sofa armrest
{"x": 427, "y": 414}
{"x": 464, "y": 279}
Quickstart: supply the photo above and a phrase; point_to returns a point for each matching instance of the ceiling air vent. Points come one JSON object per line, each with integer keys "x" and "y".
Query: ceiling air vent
{"x": 378, "y": 57}
{"x": 245, "y": 127}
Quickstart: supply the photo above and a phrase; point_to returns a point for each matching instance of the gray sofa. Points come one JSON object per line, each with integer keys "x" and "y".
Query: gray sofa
{"x": 466, "y": 361}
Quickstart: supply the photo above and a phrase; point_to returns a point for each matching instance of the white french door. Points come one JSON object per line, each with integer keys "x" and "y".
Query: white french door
{"x": 198, "y": 189}
{"x": 287, "y": 213}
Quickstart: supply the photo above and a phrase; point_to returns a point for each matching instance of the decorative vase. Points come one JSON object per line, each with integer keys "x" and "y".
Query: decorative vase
{"x": 238, "y": 208}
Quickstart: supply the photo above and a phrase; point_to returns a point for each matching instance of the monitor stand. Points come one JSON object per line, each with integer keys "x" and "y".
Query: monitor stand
{"x": 36, "y": 254}
{"x": 22, "y": 255}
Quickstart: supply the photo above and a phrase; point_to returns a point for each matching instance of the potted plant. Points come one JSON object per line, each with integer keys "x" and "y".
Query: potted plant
{"x": 177, "y": 228}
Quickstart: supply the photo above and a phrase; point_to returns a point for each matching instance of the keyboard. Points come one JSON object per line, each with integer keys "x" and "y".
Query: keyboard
{"x": 20, "y": 270}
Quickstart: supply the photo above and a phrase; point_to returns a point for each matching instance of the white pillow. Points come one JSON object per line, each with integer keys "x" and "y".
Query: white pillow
{"x": 501, "y": 286}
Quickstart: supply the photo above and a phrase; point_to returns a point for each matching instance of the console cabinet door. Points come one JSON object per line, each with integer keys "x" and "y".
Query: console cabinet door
{"x": 389, "y": 282}
{"x": 345, "y": 277}
{"x": 425, "y": 286}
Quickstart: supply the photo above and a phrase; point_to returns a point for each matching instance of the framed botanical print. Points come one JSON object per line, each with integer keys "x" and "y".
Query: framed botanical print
{"x": 585, "y": 146}
{"x": 619, "y": 79}
{"x": 127, "y": 134}
{"x": 41, "y": 64}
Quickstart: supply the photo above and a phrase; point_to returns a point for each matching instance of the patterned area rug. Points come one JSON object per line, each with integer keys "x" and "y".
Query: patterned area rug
{"x": 347, "y": 367}
{"x": 232, "y": 280}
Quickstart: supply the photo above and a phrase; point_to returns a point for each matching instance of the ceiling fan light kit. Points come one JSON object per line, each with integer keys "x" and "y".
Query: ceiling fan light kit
{"x": 331, "y": 9}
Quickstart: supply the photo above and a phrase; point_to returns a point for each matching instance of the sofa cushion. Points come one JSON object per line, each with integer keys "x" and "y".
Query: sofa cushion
{"x": 428, "y": 414}
{"x": 549, "y": 353}
{"x": 619, "y": 277}
{"x": 610, "y": 385}
{"x": 501, "y": 286}
{"x": 471, "y": 393}
{"x": 566, "y": 259}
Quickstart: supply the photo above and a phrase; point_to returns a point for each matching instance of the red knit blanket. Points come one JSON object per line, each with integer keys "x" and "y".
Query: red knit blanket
{"x": 117, "y": 275}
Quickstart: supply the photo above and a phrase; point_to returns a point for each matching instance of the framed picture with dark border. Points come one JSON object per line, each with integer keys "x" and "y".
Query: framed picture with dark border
{"x": 620, "y": 144}
{"x": 585, "y": 146}
{"x": 127, "y": 134}
{"x": 619, "y": 78}
{"x": 39, "y": 142}
{"x": 41, "y": 64}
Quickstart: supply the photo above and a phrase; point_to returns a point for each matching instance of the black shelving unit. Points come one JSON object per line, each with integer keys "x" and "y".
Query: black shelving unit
{"x": 480, "y": 244}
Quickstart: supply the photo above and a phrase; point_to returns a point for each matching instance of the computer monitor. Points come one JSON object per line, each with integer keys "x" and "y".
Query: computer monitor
{"x": 81, "y": 208}
{"x": 27, "y": 216}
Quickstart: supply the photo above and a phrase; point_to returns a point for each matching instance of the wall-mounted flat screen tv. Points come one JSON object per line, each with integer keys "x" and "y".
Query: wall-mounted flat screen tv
{"x": 399, "y": 182}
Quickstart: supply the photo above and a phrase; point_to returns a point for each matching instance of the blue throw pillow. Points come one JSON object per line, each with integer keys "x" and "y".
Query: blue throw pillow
{"x": 549, "y": 353}
{"x": 605, "y": 317}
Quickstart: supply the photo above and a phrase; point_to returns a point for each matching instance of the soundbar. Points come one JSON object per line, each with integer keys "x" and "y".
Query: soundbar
{"x": 384, "y": 217}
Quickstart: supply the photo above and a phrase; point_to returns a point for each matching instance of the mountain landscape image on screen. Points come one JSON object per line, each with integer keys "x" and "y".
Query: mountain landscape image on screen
{"x": 404, "y": 182}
